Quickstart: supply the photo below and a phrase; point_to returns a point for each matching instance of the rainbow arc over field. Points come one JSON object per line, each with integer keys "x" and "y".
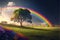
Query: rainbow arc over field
{"x": 39, "y": 15}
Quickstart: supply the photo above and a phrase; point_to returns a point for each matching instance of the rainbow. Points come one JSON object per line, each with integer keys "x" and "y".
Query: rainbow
{"x": 39, "y": 15}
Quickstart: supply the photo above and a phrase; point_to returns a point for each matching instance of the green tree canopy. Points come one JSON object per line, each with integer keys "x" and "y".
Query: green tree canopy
{"x": 21, "y": 15}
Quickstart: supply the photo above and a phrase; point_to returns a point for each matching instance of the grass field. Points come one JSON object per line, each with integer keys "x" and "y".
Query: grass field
{"x": 39, "y": 33}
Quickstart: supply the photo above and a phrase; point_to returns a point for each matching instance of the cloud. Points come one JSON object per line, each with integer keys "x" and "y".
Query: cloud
{"x": 10, "y": 4}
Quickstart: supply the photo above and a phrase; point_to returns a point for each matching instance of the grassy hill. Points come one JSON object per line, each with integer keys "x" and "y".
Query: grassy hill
{"x": 36, "y": 33}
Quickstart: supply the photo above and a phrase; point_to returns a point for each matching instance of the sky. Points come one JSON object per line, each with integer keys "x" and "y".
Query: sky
{"x": 48, "y": 8}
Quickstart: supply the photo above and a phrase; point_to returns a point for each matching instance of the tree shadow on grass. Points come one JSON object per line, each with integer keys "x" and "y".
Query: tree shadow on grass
{"x": 33, "y": 28}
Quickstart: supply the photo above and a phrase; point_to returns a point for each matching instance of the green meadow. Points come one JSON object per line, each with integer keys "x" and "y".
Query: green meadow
{"x": 36, "y": 33}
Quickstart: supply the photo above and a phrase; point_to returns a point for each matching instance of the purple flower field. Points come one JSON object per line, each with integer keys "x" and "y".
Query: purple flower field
{"x": 10, "y": 35}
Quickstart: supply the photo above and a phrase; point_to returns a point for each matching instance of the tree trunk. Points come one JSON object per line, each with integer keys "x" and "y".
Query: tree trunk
{"x": 21, "y": 24}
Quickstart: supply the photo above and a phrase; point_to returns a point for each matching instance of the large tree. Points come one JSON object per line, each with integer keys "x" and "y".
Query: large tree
{"x": 21, "y": 15}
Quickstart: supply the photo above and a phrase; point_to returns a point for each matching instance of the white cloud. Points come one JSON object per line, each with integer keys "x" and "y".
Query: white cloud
{"x": 10, "y": 4}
